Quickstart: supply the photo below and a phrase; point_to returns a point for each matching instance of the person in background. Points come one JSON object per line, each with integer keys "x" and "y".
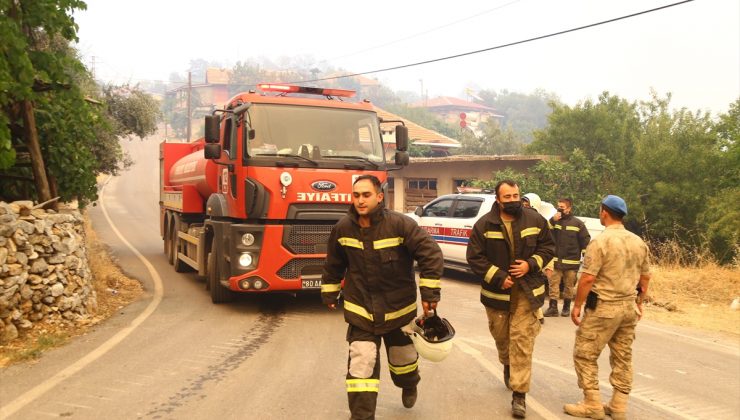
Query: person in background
{"x": 571, "y": 239}
{"x": 613, "y": 283}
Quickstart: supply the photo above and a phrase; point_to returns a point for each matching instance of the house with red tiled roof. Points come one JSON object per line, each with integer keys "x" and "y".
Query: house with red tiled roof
{"x": 440, "y": 144}
{"x": 459, "y": 111}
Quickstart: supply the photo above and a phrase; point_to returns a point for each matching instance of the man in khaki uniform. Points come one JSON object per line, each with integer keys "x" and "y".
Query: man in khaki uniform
{"x": 614, "y": 280}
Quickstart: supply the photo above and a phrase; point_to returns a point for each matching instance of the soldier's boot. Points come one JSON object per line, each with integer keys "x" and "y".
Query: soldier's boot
{"x": 566, "y": 308}
{"x": 507, "y": 375}
{"x": 553, "y": 309}
{"x": 518, "y": 405}
{"x": 590, "y": 407}
{"x": 408, "y": 397}
{"x": 617, "y": 407}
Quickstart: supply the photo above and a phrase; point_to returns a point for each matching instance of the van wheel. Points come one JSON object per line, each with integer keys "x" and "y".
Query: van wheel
{"x": 219, "y": 294}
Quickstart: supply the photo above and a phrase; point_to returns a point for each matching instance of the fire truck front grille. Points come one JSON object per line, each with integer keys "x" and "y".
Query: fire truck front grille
{"x": 297, "y": 266}
{"x": 307, "y": 239}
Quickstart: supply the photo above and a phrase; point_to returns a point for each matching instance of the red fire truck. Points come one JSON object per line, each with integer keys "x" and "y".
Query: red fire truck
{"x": 250, "y": 206}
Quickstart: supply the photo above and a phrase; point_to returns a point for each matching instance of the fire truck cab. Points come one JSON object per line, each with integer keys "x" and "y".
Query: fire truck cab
{"x": 250, "y": 206}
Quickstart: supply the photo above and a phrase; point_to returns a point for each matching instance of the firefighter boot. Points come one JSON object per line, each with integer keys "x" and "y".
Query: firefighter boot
{"x": 617, "y": 407}
{"x": 507, "y": 375}
{"x": 590, "y": 407}
{"x": 518, "y": 405}
{"x": 408, "y": 397}
{"x": 553, "y": 309}
{"x": 566, "y": 308}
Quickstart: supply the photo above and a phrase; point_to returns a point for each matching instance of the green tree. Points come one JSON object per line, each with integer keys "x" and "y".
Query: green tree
{"x": 133, "y": 110}
{"x": 494, "y": 141}
{"x": 674, "y": 170}
{"x": 609, "y": 127}
{"x": 522, "y": 113}
{"x": 29, "y": 68}
{"x": 52, "y": 105}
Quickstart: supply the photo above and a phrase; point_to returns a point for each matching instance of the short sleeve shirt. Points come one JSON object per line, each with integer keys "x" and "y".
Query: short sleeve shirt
{"x": 617, "y": 258}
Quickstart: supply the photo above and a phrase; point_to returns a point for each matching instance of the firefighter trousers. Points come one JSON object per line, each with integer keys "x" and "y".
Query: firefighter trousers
{"x": 514, "y": 332}
{"x": 568, "y": 278}
{"x": 611, "y": 323}
{"x": 363, "y": 367}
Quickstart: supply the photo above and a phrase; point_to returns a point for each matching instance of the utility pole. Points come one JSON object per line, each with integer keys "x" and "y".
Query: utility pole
{"x": 92, "y": 70}
{"x": 190, "y": 87}
{"x": 421, "y": 81}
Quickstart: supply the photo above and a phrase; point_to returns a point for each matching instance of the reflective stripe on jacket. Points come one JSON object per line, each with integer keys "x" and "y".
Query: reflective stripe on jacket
{"x": 377, "y": 265}
{"x": 571, "y": 238}
{"x": 489, "y": 257}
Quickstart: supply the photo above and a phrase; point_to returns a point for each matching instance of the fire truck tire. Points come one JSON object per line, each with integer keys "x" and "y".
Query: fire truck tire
{"x": 168, "y": 237}
{"x": 174, "y": 248}
{"x": 219, "y": 294}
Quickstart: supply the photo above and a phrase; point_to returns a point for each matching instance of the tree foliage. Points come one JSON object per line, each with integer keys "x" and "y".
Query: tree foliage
{"x": 494, "y": 140}
{"x": 678, "y": 170}
{"x": 74, "y": 126}
{"x": 522, "y": 113}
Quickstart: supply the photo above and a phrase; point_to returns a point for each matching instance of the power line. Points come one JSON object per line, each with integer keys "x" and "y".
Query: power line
{"x": 425, "y": 32}
{"x": 537, "y": 38}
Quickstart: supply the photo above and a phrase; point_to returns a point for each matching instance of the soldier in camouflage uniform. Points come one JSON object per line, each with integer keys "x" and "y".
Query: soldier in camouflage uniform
{"x": 613, "y": 282}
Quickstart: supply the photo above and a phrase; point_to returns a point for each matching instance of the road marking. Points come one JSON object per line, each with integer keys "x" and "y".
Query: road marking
{"x": 48, "y": 414}
{"x": 646, "y": 375}
{"x": 478, "y": 356}
{"x": 634, "y": 394}
{"x": 24, "y": 399}
{"x": 735, "y": 349}
{"x": 87, "y": 407}
{"x": 681, "y": 372}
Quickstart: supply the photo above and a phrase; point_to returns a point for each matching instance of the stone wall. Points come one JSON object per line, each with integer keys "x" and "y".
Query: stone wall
{"x": 44, "y": 273}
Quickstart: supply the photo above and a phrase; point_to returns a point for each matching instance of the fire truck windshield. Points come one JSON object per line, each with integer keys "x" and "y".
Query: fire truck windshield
{"x": 315, "y": 133}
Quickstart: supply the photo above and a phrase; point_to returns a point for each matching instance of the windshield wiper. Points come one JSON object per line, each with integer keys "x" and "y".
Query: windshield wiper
{"x": 364, "y": 159}
{"x": 289, "y": 155}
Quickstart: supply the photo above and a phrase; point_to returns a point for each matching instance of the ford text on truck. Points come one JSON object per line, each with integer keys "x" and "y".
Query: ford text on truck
{"x": 250, "y": 206}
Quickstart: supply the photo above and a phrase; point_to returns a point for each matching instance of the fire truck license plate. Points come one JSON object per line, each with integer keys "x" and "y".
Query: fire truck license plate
{"x": 311, "y": 283}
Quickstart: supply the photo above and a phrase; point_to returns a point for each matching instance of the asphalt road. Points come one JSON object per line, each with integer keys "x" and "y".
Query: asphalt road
{"x": 175, "y": 355}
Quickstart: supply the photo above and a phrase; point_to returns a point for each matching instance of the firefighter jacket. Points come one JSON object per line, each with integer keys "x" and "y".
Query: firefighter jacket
{"x": 571, "y": 238}
{"x": 489, "y": 257}
{"x": 377, "y": 265}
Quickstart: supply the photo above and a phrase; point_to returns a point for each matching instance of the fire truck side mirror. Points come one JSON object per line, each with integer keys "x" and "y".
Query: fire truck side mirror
{"x": 213, "y": 130}
{"x": 402, "y": 138}
{"x": 402, "y": 158}
{"x": 212, "y": 151}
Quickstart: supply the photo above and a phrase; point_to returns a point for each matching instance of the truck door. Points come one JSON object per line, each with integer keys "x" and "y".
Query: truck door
{"x": 228, "y": 174}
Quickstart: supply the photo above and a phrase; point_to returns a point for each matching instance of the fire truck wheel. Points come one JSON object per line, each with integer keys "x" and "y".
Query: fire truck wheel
{"x": 168, "y": 238}
{"x": 219, "y": 294}
{"x": 174, "y": 240}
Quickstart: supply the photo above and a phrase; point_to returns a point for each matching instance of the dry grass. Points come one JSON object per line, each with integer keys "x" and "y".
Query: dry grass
{"x": 689, "y": 288}
{"x": 113, "y": 289}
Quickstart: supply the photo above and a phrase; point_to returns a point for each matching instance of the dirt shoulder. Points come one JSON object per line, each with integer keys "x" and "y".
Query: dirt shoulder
{"x": 696, "y": 297}
{"x": 114, "y": 291}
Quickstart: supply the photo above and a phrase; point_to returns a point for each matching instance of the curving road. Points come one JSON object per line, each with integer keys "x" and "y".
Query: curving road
{"x": 174, "y": 355}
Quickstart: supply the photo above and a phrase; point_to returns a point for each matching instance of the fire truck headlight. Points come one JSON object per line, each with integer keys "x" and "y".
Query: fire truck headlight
{"x": 247, "y": 239}
{"x": 245, "y": 259}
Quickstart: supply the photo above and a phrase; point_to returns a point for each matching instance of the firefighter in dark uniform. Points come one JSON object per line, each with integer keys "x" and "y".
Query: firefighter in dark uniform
{"x": 571, "y": 239}
{"x": 373, "y": 249}
{"x": 508, "y": 249}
